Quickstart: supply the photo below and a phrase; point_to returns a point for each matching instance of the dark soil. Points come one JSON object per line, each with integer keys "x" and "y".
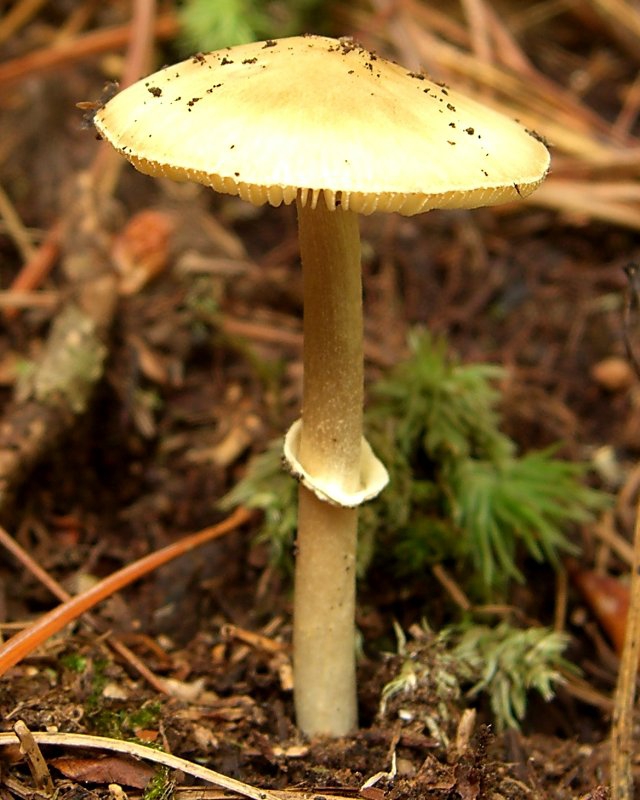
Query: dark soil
{"x": 203, "y": 369}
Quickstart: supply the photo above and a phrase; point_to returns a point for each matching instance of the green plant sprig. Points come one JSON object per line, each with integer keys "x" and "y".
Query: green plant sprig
{"x": 501, "y": 662}
{"x": 210, "y": 25}
{"x": 507, "y": 663}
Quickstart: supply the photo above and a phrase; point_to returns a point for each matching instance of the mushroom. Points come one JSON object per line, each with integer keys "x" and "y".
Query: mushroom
{"x": 340, "y": 131}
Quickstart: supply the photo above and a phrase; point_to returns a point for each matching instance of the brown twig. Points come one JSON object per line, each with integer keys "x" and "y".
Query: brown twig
{"x": 34, "y": 758}
{"x": 451, "y": 587}
{"x": 107, "y": 166}
{"x": 477, "y": 17}
{"x": 589, "y": 199}
{"x": 631, "y": 306}
{"x": 258, "y": 641}
{"x": 13, "y": 225}
{"x": 629, "y": 112}
{"x": 622, "y": 746}
{"x": 36, "y": 268}
{"x": 12, "y": 300}
{"x": 623, "y": 20}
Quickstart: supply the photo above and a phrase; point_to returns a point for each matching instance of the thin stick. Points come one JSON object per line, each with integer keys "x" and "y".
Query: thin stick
{"x": 624, "y": 698}
{"x": 34, "y": 758}
{"x": 476, "y": 14}
{"x": 27, "y": 561}
{"x": 631, "y": 305}
{"x": 560, "y": 611}
{"x": 583, "y": 199}
{"x": 15, "y": 226}
{"x": 107, "y": 166}
{"x": 622, "y": 747}
{"x": 625, "y": 120}
{"x": 256, "y": 640}
{"x": 623, "y": 20}
{"x": 141, "y": 41}
{"x": 25, "y": 642}
{"x": 12, "y": 299}
{"x": 451, "y": 587}
{"x": 506, "y": 47}
{"x": 37, "y": 267}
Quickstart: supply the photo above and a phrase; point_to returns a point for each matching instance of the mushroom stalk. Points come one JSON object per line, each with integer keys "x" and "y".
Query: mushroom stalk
{"x": 330, "y": 447}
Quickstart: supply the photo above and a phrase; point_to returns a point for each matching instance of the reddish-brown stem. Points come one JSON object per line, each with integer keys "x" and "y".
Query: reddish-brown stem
{"x": 33, "y": 272}
{"x": 25, "y": 642}
{"x": 58, "y": 591}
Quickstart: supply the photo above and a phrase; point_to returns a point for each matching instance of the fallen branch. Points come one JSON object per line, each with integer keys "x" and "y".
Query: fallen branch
{"x": 59, "y": 386}
{"x": 50, "y": 397}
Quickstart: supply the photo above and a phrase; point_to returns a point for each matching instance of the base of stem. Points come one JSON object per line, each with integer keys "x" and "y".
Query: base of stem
{"x": 324, "y": 667}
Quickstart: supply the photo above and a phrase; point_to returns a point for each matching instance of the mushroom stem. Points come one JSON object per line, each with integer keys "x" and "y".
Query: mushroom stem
{"x": 330, "y": 445}
{"x": 331, "y": 437}
{"x": 324, "y": 654}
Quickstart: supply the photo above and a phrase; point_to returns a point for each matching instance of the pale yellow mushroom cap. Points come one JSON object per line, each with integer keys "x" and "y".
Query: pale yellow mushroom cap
{"x": 270, "y": 121}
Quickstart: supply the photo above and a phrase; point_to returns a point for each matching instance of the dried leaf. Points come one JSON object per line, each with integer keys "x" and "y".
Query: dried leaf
{"x": 110, "y": 769}
{"x": 141, "y": 251}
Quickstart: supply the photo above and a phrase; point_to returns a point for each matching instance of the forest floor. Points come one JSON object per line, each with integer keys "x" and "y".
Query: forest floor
{"x": 196, "y": 300}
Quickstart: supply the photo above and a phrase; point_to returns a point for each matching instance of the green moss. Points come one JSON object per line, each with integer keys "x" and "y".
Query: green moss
{"x": 121, "y": 722}
{"x": 74, "y": 662}
{"x": 458, "y": 491}
{"x": 98, "y": 678}
{"x": 210, "y": 25}
{"x": 160, "y": 787}
{"x": 147, "y": 716}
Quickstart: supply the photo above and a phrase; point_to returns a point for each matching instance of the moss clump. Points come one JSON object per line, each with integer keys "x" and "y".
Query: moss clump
{"x": 436, "y": 672}
{"x": 160, "y": 787}
{"x": 211, "y": 26}
{"x": 458, "y": 490}
{"x": 123, "y": 722}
